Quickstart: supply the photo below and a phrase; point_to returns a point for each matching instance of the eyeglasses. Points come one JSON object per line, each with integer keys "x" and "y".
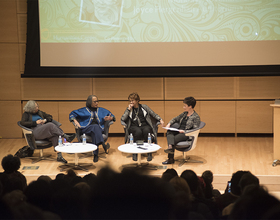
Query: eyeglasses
{"x": 95, "y": 101}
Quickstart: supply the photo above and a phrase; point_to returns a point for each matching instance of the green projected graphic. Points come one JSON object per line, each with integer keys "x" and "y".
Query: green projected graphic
{"x": 113, "y": 21}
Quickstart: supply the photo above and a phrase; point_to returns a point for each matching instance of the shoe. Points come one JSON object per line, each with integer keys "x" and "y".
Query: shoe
{"x": 169, "y": 151}
{"x": 95, "y": 158}
{"x": 69, "y": 138}
{"x": 150, "y": 157}
{"x": 134, "y": 157}
{"x": 168, "y": 161}
{"x": 60, "y": 158}
{"x": 106, "y": 148}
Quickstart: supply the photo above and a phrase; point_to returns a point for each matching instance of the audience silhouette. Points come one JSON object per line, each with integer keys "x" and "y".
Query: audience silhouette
{"x": 131, "y": 195}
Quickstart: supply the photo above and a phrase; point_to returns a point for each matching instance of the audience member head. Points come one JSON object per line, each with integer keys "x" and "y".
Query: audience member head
{"x": 192, "y": 180}
{"x": 39, "y": 194}
{"x": 169, "y": 174}
{"x": 10, "y": 163}
{"x": 45, "y": 178}
{"x": 190, "y": 101}
{"x": 207, "y": 175}
{"x": 235, "y": 188}
{"x": 248, "y": 179}
{"x": 255, "y": 203}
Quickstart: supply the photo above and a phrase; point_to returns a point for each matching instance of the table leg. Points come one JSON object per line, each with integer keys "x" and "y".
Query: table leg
{"x": 139, "y": 159}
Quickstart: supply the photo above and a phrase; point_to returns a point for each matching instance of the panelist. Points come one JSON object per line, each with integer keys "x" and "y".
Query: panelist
{"x": 39, "y": 122}
{"x": 90, "y": 120}
{"x": 187, "y": 120}
{"x": 138, "y": 118}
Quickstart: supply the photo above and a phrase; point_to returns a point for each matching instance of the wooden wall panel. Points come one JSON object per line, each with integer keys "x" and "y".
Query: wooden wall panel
{"x": 21, "y": 6}
{"x": 254, "y": 117}
{"x": 8, "y": 24}
{"x": 259, "y": 87}
{"x": 10, "y": 112}
{"x": 120, "y": 88}
{"x": 200, "y": 88}
{"x": 219, "y": 116}
{"x": 9, "y": 72}
{"x": 55, "y": 88}
{"x": 22, "y": 27}
{"x": 22, "y": 51}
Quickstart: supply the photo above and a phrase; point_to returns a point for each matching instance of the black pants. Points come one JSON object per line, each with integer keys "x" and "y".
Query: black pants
{"x": 174, "y": 137}
{"x": 140, "y": 133}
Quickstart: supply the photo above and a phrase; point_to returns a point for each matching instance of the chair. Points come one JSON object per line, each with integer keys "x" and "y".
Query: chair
{"x": 155, "y": 124}
{"x": 189, "y": 145}
{"x": 37, "y": 144}
{"x": 105, "y": 134}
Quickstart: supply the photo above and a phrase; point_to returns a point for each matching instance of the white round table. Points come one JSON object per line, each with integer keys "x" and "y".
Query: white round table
{"x": 75, "y": 148}
{"x": 139, "y": 149}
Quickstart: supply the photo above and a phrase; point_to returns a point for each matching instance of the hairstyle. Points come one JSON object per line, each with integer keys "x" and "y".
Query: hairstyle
{"x": 10, "y": 163}
{"x": 190, "y": 101}
{"x": 235, "y": 179}
{"x": 207, "y": 175}
{"x": 89, "y": 100}
{"x": 248, "y": 179}
{"x": 169, "y": 174}
{"x": 30, "y": 106}
{"x": 192, "y": 179}
{"x": 134, "y": 96}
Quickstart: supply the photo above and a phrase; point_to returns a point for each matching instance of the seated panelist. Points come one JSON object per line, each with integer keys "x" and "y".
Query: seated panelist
{"x": 187, "y": 120}
{"x": 138, "y": 118}
{"x": 90, "y": 120}
{"x": 39, "y": 122}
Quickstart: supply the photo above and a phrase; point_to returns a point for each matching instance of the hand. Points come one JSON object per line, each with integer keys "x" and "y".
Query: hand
{"x": 130, "y": 106}
{"x": 77, "y": 124}
{"x": 44, "y": 121}
{"x": 182, "y": 131}
{"x": 40, "y": 121}
{"x": 168, "y": 125}
{"x": 162, "y": 122}
{"x": 108, "y": 118}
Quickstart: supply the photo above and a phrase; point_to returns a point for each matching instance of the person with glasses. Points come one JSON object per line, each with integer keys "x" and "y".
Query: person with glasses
{"x": 90, "y": 120}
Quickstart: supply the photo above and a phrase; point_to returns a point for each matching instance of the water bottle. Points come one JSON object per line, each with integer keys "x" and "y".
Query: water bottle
{"x": 59, "y": 141}
{"x": 131, "y": 138}
{"x": 149, "y": 139}
{"x": 84, "y": 139}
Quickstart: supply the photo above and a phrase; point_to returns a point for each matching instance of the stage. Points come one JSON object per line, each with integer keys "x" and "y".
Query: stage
{"x": 222, "y": 155}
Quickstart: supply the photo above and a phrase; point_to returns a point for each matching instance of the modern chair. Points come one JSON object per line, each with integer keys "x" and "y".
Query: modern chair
{"x": 105, "y": 135}
{"x": 189, "y": 145}
{"x": 155, "y": 124}
{"x": 37, "y": 144}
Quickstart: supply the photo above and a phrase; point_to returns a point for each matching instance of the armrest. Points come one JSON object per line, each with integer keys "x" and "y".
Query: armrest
{"x": 123, "y": 124}
{"x": 58, "y": 124}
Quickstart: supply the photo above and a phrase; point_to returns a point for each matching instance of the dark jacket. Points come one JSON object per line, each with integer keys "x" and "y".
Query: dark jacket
{"x": 26, "y": 119}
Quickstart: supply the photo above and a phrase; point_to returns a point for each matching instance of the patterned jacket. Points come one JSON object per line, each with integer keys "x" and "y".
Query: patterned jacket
{"x": 192, "y": 122}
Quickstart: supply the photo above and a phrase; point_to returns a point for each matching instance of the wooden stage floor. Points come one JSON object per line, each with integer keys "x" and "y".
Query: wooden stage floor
{"x": 222, "y": 155}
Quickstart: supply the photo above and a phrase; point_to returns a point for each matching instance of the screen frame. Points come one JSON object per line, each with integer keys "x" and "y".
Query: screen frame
{"x": 34, "y": 70}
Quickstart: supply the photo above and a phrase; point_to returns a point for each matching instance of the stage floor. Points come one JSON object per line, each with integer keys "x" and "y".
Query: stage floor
{"x": 222, "y": 155}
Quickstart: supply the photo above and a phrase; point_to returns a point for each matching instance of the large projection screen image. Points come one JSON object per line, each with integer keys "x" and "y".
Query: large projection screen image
{"x": 159, "y": 33}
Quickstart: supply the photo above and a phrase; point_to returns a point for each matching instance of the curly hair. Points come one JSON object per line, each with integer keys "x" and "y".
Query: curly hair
{"x": 134, "y": 96}
{"x": 10, "y": 163}
{"x": 30, "y": 106}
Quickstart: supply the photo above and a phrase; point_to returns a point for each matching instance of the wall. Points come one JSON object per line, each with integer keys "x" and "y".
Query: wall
{"x": 226, "y": 104}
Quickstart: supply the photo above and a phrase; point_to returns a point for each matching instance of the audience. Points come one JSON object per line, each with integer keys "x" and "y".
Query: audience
{"x": 130, "y": 195}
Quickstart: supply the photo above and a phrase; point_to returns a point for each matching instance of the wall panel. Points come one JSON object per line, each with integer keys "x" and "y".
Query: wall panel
{"x": 22, "y": 27}
{"x": 21, "y": 6}
{"x": 259, "y": 87}
{"x": 10, "y": 112}
{"x": 254, "y": 117}
{"x": 55, "y": 88}
{"x": 22, "y": 49}
{"x": 8, "y": 24}
{"x": 9, "y": 72}
{"x": 219, "y": 116}
{"x": 120, "y": 88}
{"x": 200, "y": 88}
